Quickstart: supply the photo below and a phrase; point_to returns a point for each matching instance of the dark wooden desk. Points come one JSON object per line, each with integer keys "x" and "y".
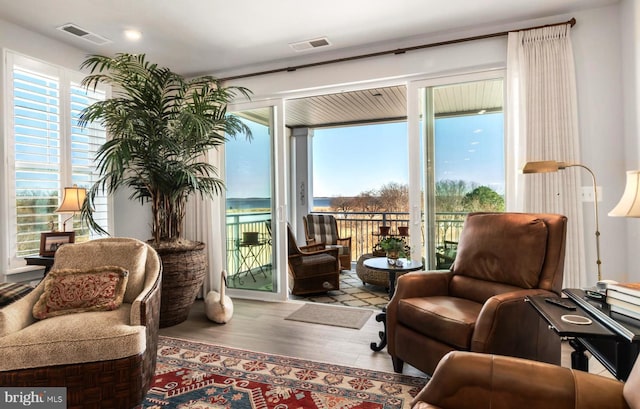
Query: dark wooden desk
{"x": 613, "y": 339}
{"x": 46, "y": 262}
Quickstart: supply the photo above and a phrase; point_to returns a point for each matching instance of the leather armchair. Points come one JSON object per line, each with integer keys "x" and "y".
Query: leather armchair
{"x": 479, "y": 305}
{"x": 313, "y": 268}
{"x": 323, "y": 228}
{"x": 466, "y": 380}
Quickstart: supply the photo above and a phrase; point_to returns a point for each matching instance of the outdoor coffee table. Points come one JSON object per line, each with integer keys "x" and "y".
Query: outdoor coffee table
{"x": 381, "y": 263}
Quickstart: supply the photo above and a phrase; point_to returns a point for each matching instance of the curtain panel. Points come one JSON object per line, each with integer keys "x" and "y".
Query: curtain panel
{"x": 542, "y": 124}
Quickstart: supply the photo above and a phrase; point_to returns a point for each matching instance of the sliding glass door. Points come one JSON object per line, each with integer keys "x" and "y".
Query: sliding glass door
{"x": 251, "y": 207}
{"x": 457, "y": 132}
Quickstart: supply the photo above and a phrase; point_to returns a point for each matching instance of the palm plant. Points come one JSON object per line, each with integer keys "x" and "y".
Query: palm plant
{"x": 161, "y": 127}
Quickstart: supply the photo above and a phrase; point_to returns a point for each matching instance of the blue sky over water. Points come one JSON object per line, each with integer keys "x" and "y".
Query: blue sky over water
{"x": 351, "y": 160}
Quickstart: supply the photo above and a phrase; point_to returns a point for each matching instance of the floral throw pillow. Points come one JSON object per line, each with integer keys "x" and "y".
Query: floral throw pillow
{"x": 69, "y": 291}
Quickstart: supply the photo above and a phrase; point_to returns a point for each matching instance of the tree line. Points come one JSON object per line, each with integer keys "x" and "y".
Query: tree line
{"x": 451, "y": 196}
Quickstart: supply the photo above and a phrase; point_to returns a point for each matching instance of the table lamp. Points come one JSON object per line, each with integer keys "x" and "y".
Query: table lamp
{"x": 629, "y": 204}
{"x": 548, "y": 166}
{"x": 71, "y": 202}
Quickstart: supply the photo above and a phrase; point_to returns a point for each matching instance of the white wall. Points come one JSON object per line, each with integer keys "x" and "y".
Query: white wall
{"x": 607, "y": 70}
{"x": 630, "y": 33}
{"x": 598, "y": 56}
{"x": 605, "y": 136}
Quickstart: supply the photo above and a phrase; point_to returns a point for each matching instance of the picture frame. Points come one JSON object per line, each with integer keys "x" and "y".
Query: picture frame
{"x": 51, "y": 241}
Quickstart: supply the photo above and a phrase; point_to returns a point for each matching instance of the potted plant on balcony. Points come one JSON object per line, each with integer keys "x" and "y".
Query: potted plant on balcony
{"x": 161, "y": 127}
{"x": 394, "y": 248}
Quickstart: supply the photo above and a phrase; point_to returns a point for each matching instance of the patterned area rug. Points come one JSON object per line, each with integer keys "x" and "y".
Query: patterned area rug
{"x": 193, "y": 375}
{"x": 353, "y": 293}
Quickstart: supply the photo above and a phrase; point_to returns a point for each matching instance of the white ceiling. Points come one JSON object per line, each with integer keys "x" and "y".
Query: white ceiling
{"x": 237, "y": 36}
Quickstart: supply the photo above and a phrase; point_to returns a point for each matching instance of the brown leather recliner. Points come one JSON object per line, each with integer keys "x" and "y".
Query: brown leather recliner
{"x": 466, "y": 380}
{"x": 479, "y": 305}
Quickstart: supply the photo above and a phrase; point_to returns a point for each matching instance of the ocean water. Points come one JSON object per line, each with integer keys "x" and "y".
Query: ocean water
{"x": 265, "y": 203}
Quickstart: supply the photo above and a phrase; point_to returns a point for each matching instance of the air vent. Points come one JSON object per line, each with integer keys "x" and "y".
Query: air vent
{"x": 79, "y": 32}
{"x": 310, "y": 44}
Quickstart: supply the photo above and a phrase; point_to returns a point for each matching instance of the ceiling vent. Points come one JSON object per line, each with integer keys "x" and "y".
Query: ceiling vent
{"x": 310, "y": 44}
{"x": 79, "y": 32}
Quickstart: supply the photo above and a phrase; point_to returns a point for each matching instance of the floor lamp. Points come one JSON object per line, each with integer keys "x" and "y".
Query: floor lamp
{"x": 548, "y": 166}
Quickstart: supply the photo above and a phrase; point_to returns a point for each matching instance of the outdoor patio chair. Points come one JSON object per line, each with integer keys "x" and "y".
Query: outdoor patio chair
{"x": 312, "y": 269}
{"x": 323, "y": 228}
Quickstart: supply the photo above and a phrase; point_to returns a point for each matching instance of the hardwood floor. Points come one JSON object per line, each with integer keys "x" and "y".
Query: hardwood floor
{"x": 260, "y": 326}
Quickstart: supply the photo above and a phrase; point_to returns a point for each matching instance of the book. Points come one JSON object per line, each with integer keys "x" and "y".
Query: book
{"x": 625, "y": 312}
{"x": 622, "y": 296}
{"x": 627, "y": 288}
{"x": 614, "y": 302}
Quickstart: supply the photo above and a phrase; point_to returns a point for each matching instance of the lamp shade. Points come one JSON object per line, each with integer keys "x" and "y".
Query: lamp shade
{"x": 72, "y": 200}
{"x": 544, "y": 166}
{"x": 629, "y": 204}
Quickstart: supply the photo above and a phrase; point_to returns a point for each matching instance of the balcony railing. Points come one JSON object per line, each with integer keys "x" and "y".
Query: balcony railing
{"x": 362, "y": 227}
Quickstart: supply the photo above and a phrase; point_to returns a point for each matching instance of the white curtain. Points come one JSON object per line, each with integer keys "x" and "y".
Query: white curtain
{"x": 203, "y": 222}
{"x": 542, "y": 124}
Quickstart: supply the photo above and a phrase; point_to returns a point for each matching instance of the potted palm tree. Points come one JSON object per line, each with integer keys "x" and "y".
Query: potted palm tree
{"x": 161, "y": 127}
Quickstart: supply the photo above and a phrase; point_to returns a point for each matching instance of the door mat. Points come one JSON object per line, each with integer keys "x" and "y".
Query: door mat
{"x": 331, "y": 315}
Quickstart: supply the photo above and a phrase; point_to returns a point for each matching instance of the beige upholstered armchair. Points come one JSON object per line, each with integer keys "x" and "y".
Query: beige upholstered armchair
{"x": 323, "y": 228}
{"x": 479, "y": 305}
{"x": 97, "y": 328}
{"x": 467, "y": 380}
{"x": 312, "y": 269}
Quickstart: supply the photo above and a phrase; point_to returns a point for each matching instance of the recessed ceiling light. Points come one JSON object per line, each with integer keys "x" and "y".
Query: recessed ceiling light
{"x": 132, "y": 35}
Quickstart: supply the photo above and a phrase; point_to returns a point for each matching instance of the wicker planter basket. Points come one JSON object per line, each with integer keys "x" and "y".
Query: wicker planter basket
{"x": 183, "y": 272}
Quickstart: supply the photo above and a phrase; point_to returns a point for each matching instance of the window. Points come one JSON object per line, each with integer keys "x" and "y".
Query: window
{"x": 47, "y": 150}
{"x": 462, "y": 125}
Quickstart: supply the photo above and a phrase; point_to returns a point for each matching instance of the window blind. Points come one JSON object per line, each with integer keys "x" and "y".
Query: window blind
{"x": 50, "y": 151}
{"x": 85, "y": 143}
{"x": 36, "y": 117}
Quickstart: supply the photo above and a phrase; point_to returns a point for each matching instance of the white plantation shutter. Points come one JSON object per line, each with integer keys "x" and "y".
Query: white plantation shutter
{"x": 48, "y": 151}
{"x": 84, "y": 145}
{"x": 36, "y": 133}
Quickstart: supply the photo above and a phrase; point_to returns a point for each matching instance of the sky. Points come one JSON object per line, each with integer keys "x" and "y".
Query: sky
{"x": 248, "y": 163}
{"x": 351, "y": 160}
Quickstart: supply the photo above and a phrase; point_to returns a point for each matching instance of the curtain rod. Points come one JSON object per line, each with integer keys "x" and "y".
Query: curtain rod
{"x": 387, "y": 52}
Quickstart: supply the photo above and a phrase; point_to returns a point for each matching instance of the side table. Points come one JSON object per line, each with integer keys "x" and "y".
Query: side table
{"x": 249, "y": 252}
{"x": 612, "y": 339}
{"x": 381, "y": 264}
{"x": 44, "y": 261}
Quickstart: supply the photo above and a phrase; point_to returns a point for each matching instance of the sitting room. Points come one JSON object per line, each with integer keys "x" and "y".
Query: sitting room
{"x": 364, "y": 204}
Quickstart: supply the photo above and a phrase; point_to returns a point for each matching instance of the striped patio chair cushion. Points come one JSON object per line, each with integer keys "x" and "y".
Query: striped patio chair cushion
{"x": 322, "y": 228}
{"x": 10, "y": 292}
